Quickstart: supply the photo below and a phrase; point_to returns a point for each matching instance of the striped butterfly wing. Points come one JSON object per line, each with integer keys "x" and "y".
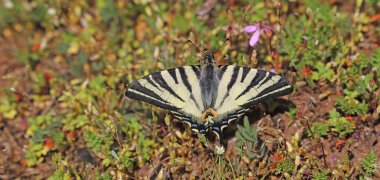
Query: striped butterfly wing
{"x": 174, "y": 89}
{"x": 240, "y": 88}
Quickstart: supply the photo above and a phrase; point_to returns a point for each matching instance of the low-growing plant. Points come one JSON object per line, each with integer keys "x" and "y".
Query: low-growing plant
{"x": 285, "y": 166}
{"x": 61, "y": 171}
{"x": 368, "y": 165}
{"x": 292, "y": 113}
{"x": 130, "y": 125}
{"x": 97, "y": 141}
{"x": 323, "y": 71}
{"x": 127, "y": 159}
{"x": 310, "y": 44}
{"x": 222, "y": 166}
{"x": 340, "y": 124}
{"x": 248, "y": 143}
{"x": 144, "y": 147}
{"x": 45, "y": 137}
{"x": 319, "y": 129}
{"x": 351, "y": 106}
{"x": 320, "y": 175}
{"x": 8, "y": 108}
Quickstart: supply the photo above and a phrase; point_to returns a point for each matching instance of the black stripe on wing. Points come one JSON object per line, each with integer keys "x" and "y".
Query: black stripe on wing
{"x": 173, "y": 74}
{"x": 245, "y": 72}
{"x": 218, "y": 127}
{"x": 139, "y": 92}
{"x": 233, "y": 78}
{"x": 268, "y": 77}
{"x": 182, "y": 117}
{"x": 158, "y": 85}
{"x": 196, "y": 70}
{"x": 222, "y": 70}
{"x": 280, "y": 88}
{"x": 157, "y": 77}
{"x": 232, "y": 81}
{"x": 194, "y": 126}
{"x": 260, "y": 75}
{"x": 185, "y": 80}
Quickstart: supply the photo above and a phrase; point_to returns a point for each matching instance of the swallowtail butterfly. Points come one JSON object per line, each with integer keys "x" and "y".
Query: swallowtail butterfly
{"x": 208, "y": 96}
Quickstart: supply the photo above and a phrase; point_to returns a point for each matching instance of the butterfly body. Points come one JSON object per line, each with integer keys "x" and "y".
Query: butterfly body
{"x": 209, "y": 82}
{"x": 208, "y": 96}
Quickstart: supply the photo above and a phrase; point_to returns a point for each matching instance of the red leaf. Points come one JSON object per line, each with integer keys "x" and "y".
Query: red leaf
{"x": 306, "y": 71}
{"x": 273, "y": 166}
{"x": 71, "y": 135}
{"x": 36, "y": 47}
{"x": 18, "y": 97}
{"x": 278, "y": 157}
{"x": 375, "y": 17}
{"x": 340, "y": 143}
{"x": 47, "y": 77}
{"x": 49, "y": 143}
{"x": 349, "y": 118}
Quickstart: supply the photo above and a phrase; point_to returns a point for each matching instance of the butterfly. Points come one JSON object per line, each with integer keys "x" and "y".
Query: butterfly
{"x": 208, "y": 96}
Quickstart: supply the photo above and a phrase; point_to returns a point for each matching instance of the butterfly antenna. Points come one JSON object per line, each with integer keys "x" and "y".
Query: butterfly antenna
{"x": 196, "y": 47}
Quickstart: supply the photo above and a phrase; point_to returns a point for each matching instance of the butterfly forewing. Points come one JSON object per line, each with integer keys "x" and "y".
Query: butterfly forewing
{"x": 175, "y": 89}
{"x": 242, "y": 87}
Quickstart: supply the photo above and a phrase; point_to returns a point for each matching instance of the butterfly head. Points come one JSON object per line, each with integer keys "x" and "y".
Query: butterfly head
{"x": 208, "y": 59}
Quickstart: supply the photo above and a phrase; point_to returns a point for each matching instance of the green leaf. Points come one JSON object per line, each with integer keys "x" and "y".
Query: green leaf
{"x": 369, "y": 164}
{"x": 108, "y": 10}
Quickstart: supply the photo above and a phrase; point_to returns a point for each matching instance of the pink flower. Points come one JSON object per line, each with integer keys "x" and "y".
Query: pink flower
{"x": 256, "y": 28}
{"x": 231, "y": 30}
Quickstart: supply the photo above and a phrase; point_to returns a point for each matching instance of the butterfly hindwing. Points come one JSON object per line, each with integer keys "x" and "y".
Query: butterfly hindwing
{"x": 218, "y": 126}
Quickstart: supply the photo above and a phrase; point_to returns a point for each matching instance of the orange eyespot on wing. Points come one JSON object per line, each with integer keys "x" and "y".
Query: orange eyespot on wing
{"x": 212, "y": 112}
{"x": 204, "y": 115}
{"x": 207, "y": 112}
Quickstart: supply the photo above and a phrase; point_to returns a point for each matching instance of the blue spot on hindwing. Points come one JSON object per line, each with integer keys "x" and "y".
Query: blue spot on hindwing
{"x": 233, "y": 116}
{"x": 216, "y": 128}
